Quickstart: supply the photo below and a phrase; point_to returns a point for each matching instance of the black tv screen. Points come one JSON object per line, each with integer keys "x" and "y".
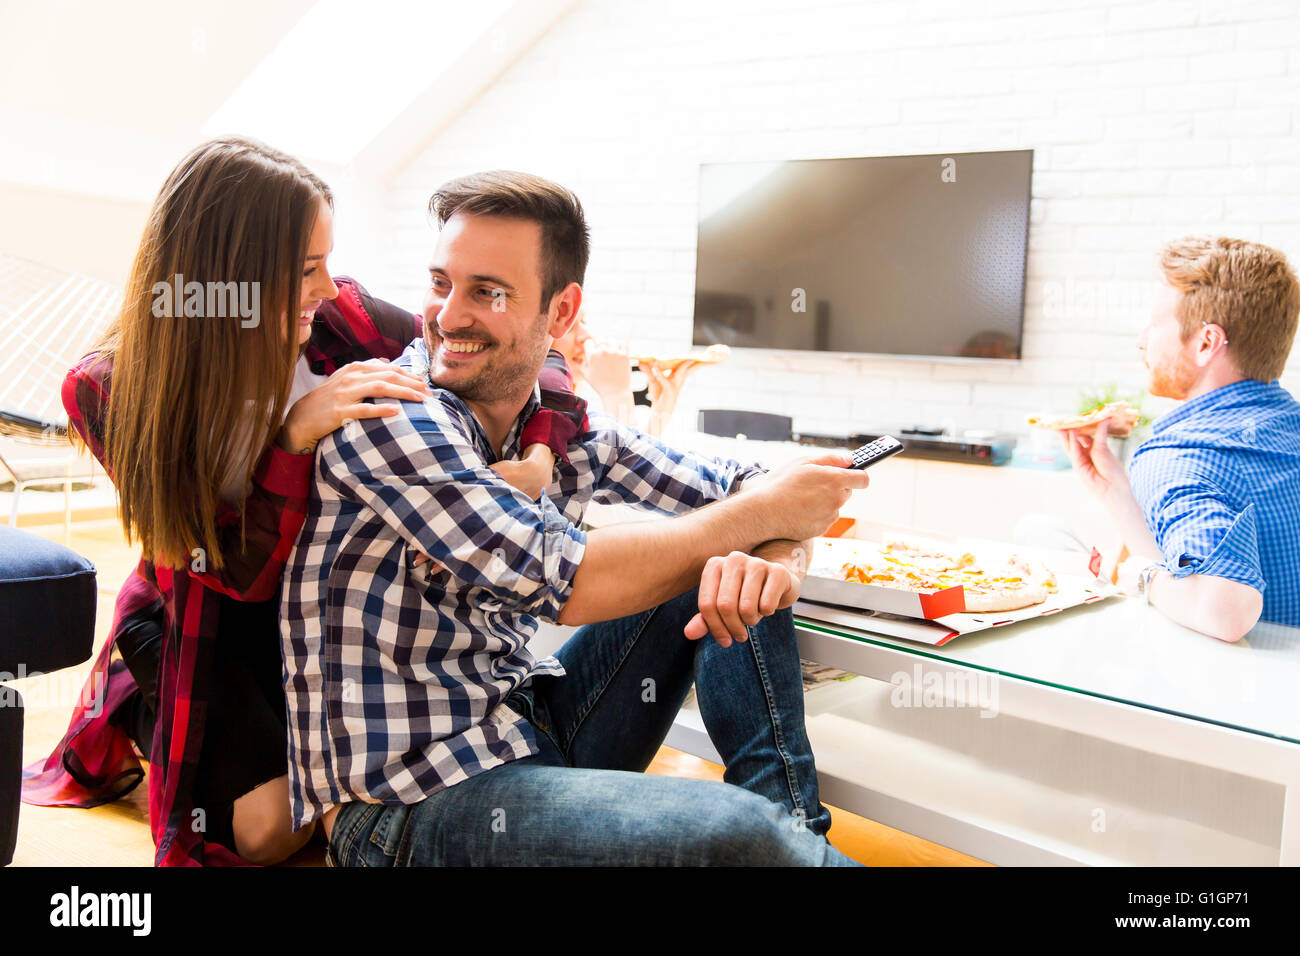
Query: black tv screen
{"x": 887, "y": 255}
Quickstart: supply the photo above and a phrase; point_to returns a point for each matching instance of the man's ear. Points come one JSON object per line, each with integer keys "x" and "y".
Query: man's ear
{"x": 564, "y": 310}
{"x": 1212, "y": 339}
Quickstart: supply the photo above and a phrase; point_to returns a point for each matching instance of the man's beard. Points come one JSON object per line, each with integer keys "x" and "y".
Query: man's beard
{"x": 508, "y": 371}
{"x": 1173, "y": 379}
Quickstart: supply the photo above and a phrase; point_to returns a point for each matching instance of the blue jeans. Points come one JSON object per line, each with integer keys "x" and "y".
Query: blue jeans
{"x": 584, "y": 798}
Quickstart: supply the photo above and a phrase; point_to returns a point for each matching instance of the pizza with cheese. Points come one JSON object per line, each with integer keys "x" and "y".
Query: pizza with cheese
{"x": 1121, "y": 415}
{"x": 924, "y": 554}
{"x": 994, "y": 584}
{"x": 710, "y": 356}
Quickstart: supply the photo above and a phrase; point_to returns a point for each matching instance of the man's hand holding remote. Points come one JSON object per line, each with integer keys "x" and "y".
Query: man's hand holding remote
{"x": 636, "y": 566}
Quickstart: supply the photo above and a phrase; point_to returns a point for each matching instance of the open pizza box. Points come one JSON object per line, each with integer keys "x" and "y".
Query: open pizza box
{"x": 934, "y": 617}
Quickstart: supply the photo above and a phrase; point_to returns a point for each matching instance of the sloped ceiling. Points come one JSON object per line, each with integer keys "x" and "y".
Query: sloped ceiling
{"x": 104, "y": 98}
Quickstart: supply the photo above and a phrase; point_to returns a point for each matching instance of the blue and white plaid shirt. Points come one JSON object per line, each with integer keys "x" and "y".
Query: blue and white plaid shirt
{"x": 396, "y": 675}
{"x": 1219, "y": 482}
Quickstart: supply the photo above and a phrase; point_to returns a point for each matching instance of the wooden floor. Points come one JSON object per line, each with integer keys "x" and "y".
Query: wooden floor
{"x": 117, "y": 834}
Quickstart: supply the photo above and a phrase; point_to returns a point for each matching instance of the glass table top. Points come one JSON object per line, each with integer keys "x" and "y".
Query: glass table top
{"x": 1123, "y": 650}
{"x": 1118, "y": 648}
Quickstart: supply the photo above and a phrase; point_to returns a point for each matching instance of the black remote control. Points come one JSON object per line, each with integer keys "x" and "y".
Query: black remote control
{"x": 875, "y": 451}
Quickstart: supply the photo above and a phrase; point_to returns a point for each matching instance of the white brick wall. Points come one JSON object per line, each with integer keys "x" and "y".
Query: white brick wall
{"x": 1149, "y": 121}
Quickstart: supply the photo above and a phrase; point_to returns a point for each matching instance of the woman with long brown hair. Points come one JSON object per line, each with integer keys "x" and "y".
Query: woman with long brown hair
{"x": 234, "y": 353}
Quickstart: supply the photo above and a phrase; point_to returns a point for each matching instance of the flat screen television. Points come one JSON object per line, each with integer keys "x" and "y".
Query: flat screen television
{"x": 886, "y": 255}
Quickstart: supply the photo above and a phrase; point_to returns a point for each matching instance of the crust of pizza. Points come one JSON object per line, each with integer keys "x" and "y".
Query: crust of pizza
{"x": 1121, "y": 415}
{"x": 1005, "y": 597}
{"x": 1018, "y": 583}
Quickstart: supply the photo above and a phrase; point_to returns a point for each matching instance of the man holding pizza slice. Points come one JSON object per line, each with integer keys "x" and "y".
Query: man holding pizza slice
{"x": 1210, "y": 506}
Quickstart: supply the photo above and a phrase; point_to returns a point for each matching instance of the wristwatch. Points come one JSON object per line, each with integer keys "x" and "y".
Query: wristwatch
{"x": 1144, "y": 581}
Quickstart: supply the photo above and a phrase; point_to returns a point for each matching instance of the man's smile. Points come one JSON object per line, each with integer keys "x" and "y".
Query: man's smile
{"x": 459, "y": 350}
{"x": 462, "y": 348}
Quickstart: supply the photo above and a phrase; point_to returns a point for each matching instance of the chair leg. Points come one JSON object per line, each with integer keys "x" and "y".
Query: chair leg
{"x": 11, "y": 748}
{"x": 13, "y": 514}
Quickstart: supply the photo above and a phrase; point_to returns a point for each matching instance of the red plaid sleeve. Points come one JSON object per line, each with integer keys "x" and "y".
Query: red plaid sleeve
{"x": 563, "y": 415}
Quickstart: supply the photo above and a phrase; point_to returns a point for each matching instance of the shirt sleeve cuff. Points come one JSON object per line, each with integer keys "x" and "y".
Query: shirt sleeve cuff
{"x": 563, "y": 549}
{"x": 746, "y": 473}
{"x": 284, "y": 473}
{"x": 1235, "y": 557}
{"x": 550, "y": 428}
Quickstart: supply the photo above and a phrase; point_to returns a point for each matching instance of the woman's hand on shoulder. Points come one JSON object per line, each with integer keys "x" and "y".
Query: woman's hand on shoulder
{"x": 343, "y": 396}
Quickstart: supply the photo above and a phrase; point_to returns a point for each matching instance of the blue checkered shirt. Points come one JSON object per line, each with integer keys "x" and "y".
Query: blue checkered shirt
{"x": 1219, "y": 482}
{"x": 396, "y": 675}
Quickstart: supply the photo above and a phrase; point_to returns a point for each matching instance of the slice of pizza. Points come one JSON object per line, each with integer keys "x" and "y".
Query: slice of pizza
{"x": 1034, "y": 570}
{"x": 710, "y": 356}
{"x": 1121, "y": 415}
{"x": 1004, "y": 584}
{"x": 923, "y": 554}
{"x": 892, "y": 574}
{"x": 911, "y": 564}
{"x": 1003, "y": 592}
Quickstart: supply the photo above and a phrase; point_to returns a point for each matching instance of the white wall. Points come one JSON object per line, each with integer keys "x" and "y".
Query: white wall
{"x": 1149, "y": 121}
{"x": 98, "y": 102}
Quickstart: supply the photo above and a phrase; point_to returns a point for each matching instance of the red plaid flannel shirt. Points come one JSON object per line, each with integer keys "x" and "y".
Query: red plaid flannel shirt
{"x": 95, "y": 762}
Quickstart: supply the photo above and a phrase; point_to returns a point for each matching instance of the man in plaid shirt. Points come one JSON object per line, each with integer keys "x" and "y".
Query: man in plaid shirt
{"x": 1210, "y": 506}
{"x": 422, "y": 731}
